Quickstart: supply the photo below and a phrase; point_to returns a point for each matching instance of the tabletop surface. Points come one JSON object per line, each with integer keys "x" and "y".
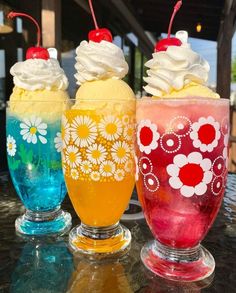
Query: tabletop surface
{"x": 46, "y": 265}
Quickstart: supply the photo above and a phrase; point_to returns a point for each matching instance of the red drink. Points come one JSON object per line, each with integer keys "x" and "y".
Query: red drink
{"x": 182, "y": 158}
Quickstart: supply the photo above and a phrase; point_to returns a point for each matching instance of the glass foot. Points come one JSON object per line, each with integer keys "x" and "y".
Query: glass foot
{"x": 55, "y": 222}
{"x": 100, "y": 242}
{"x": 186, "y": 265}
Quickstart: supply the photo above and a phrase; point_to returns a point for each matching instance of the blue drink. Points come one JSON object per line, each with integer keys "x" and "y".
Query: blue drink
{"x": 34, "y": 160}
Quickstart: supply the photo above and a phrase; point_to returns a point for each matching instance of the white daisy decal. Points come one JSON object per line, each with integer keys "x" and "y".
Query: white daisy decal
{"x": 11, "y": 146}
{"x": 83, "y": 131}
{"x": 190, "y": 174}
{"x": 72, "y": 157}
{"x": 107, "y": 168}
{"x": 119, "y": 175}
{"x": 58, "y": 142}
{"x": 74, "y": 174}
{"x": 33, "y": 129}
{"x": 65, "y": 131}
{"x": 129, "y": 132}
{"x": 86, "y": 167}
{"x": 110, "y": 128}
{"x": 147, "y": 136}
{"x": 95, "y": 176}
{"x": 120, "y": 152}
{"x": 96, "y": 153}
{"x": 129, "y": 166}
{"x": 125, "y": 119}
{"x": 205, "y": 134}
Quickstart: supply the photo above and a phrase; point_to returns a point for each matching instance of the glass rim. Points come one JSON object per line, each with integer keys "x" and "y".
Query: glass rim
{"x": 34, "y": 101}
{"x": 102, "y": 100}
{"x": 176, "y": 99}
{"x": 72, "y": 100}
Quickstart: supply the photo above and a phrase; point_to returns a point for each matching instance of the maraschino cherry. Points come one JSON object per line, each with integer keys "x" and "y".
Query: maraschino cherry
{"x": 33, "y": 52}
{"x": 163, "y": 44}
{"x": 99, "y": 34}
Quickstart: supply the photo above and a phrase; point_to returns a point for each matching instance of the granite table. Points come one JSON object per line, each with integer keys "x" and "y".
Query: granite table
{"x": 46, "y": 264}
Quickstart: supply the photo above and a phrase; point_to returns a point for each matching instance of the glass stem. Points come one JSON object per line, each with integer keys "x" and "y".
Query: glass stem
{"x": 37, "y": 216}
{"x": 99, "y": 233}
{"x": 177, "y": 255}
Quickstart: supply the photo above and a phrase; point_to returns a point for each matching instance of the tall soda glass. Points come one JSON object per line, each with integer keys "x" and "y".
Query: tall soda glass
{"x": 34, "y": 161}
{"x": 98, "y": 162}
{"x": 182, "y": 154}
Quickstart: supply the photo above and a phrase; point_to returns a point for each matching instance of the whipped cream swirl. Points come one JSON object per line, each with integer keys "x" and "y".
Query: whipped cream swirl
{"x": 96, "y": 61}
{"x": 173, "y": 69}
{"x": 39, "y": 74}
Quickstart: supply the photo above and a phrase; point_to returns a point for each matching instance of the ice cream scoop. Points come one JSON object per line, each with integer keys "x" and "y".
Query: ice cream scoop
{"x": 38, "y": 80}
{"x": 100, "y": 68}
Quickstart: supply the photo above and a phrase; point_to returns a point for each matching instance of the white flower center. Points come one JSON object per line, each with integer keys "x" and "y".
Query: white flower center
{"x": 180, "y": 126}
{"x": 170, "y": 142}
{"x": 150, "y": 181}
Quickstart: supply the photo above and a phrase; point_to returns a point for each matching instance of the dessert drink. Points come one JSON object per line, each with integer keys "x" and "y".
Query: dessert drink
{"x": 183, "y": 167}
{"x": 34, "y": 141}
{"x": 98, "y": 149}
{"x": 102, "y": 142}
{"x": 182, "y": 141}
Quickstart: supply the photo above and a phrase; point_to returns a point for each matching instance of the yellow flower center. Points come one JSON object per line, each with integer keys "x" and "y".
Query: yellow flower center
{"x": 107, "y": 168}
{"x": 96, "y": 154}
{"x": 86, "y": 167}
{"x": 111, "y": 128}
{"x": 72, "y": 157}
{"x": 83, "y": 131}
{"x": 121, "y": 152}
{"x": 33, "y": 130}
{"x": 130, "y": 132}
{"x": 10, "y": 146}
{"x": 74, "y": 174}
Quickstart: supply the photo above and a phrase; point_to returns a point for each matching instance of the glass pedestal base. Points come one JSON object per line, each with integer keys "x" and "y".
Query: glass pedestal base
{"x": 100, "y": 242}
{"x": 43, "y": 223}
{"x": 186, "y": 265}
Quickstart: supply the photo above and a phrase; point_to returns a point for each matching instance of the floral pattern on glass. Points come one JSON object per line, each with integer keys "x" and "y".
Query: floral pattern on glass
{"x": 100, "y": 148}
{"x": 192, "y": 173}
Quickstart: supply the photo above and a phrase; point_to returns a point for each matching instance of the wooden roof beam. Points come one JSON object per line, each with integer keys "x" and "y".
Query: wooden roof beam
{"x": 145, "y": 43}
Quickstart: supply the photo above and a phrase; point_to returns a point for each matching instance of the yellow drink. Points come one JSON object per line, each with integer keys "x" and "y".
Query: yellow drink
{"x": 98, "y": 160}
{"x": 94, "y": 202}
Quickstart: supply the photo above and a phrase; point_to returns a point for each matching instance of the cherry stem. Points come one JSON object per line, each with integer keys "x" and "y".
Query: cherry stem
{"x": 176, "y": 9}
{"x": 93, "y": 14}
{"x": 13, "y": 14}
